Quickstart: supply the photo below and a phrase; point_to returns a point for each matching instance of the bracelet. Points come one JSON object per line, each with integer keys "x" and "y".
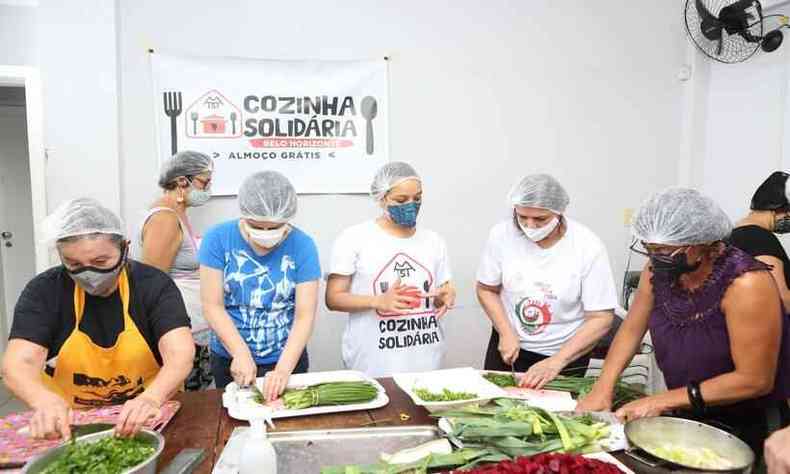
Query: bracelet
{"x": 698, "y": 406}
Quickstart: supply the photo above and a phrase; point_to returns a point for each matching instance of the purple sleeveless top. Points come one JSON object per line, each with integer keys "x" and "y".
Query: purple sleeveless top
{"x": 689, "y": 330}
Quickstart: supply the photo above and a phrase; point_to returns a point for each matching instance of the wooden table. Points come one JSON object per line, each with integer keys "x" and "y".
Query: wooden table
{"x": 203, "y": 423}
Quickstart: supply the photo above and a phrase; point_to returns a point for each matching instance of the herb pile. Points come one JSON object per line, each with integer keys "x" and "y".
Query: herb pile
{"x": 444, "y": 396}
{"x": 501, "y": 380}
{"x": 109, "y": 455}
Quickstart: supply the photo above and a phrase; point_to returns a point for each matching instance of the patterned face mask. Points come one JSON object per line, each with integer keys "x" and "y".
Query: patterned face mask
{"x": 404, "y": 214}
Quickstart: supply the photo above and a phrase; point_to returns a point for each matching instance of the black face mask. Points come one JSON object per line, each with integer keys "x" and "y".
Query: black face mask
{"x": 782, "y": 226}
{"x": 673, "y": 266}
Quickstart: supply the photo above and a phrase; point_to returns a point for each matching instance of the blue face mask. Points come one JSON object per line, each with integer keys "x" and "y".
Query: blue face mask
{"x": 404, "y": 214}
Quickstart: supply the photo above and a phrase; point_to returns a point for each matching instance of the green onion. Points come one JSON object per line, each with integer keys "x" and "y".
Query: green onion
{"x": 330, "y": 393}
{"x": 581, "y": 386}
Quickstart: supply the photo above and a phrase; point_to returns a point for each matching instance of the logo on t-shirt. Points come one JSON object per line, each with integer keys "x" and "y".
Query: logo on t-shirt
{"x": 410, "y": 272}
{"x": 534, "y": 315}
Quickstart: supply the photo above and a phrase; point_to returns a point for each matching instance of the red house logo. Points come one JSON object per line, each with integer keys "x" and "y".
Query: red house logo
{"x": 410, "y": 272}
{"x": 212, "y": 115}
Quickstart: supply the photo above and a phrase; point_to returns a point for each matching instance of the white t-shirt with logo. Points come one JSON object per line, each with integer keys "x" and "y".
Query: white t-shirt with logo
{"x": 381, "y": 344}
{"x": 547, "y": 291}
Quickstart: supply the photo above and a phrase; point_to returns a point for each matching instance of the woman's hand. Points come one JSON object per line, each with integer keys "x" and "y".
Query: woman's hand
{"x": 542, "y": 373}
{"x": 397, "y": 298}
{"x": 444, "y": 300}
{"x": 51, "y": 417}
{"x": 135, "y": 413}
{"x": 597, "y": 400}
{"x": 509, "y": 347}
{"x": 274, "y": 384}
{"x": 243, "y": 369}
{"x": 777, "y": 452}
{"x": 642, "y": 408}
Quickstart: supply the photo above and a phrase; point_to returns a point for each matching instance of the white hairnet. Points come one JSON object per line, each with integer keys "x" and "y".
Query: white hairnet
{"x": 184, "y": 163}
{"x": 83, "y": 216}
{"x": 541, "y": 191}
{"x": 680, "y": 216}
{"x": 267, "y": 196}
{"x": 389, "y": 176}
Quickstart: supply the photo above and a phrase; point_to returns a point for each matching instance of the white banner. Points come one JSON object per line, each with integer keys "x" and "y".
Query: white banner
{"x": 321, "y": 123}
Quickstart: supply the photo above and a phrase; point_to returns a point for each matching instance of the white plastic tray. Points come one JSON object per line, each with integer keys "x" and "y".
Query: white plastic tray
{"x": 464, "y": 379}
{"x": 241, "y": 405}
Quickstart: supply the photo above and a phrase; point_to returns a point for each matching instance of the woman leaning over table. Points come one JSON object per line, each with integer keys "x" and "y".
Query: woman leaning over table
{"x": 99, "y": 329}
{"x": 545, "y": 283}
{"x": 721, "y": 338}
{"x": 259, "y": 284}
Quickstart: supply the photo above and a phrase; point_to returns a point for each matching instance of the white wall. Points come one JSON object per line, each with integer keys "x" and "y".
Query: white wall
{"x": 77, "y": 42}
{"x": 482, "y": 92}
{"x": 744, "y": 128}
{"x": 18, "y": 35}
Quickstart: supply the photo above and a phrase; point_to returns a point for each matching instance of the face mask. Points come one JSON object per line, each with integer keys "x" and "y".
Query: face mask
{"x": 266, "y": 238}
{"x": 97, "y": 281}
{"x": 197, "y": 197}
{"x": 673, "y": 265}
{"x": 782, "y": 226}
{"x": 536, "y": 235}
{"x": 404, "y": 214}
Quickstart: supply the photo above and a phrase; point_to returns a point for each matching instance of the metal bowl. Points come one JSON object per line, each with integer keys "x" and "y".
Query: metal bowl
{"x": 647, "y": 433}
{"x": 38, "y": 463}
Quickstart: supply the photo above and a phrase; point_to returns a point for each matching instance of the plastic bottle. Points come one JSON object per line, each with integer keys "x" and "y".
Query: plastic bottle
{"x": 258, "y": 455}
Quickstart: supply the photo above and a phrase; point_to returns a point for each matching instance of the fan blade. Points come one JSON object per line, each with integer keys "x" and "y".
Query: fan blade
{"x": 710, "y": 26}
{"x": 720, "y": 47}
{"x": 704, "y": 14}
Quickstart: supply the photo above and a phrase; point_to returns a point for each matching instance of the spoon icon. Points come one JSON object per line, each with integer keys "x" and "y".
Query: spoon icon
{"x": 369, "y": 110}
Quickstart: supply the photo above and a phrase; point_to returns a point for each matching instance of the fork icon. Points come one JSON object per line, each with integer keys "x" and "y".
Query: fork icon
{"x": 172, "y": 102}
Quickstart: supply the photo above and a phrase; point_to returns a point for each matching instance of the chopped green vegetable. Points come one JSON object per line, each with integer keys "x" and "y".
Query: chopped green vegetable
{"x": 109, "y": 455}
{"x": 501, "y": 380}
{"x": 445, "y": 396}
{"x": 330, "y": 393}
{"x": 698, "y": 457}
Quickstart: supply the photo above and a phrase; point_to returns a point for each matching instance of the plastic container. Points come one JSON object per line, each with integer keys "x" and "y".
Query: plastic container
{"x": 258, "y": 455}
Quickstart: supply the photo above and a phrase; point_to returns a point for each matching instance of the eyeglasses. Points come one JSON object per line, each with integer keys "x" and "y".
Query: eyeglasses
{"x": 205, "y": 183}
{"x": 657, "y": 255}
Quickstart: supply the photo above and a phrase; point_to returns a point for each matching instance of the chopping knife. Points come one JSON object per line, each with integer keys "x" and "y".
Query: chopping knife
{"x": 79, "y": 430}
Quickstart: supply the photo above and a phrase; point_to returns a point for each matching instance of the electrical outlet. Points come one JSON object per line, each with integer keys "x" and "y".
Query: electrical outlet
{"x": 628, "y": 216}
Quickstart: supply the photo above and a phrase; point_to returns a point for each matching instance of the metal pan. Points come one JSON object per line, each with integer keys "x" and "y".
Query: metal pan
{"x": 40, "y": 462}
{"x": 648, "y": 433}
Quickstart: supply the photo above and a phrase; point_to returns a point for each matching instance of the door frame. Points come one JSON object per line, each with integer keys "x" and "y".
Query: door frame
{"x": 29, "y": 78}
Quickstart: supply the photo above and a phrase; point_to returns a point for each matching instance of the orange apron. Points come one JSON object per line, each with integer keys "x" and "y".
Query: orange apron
{"x": 90, "y": 375}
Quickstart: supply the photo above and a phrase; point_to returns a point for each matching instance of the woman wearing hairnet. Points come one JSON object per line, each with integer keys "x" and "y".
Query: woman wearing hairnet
{"x": 170, "y": 245}
{"x": 393, "y": 279}
{"x": 715, "y": 318}
{"x": 103, "y": 328}
{"x": 545, "y": 283}
{"x": 259, "y": 284}
{"x": 770, "y": 214}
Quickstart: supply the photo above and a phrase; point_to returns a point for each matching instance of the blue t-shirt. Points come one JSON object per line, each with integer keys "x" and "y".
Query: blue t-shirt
{"x": 260, "y": 291}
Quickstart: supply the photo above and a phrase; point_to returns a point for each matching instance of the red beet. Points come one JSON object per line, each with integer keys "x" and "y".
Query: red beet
{"x": 547, "y": 464}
